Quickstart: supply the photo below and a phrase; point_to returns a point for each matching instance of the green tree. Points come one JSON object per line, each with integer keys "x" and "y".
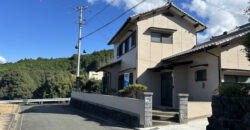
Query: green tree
{"x": 246, "y": 43}
{"x": 18, "y": 85}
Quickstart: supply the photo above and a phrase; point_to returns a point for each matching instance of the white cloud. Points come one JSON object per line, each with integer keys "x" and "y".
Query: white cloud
{"x": 92, "y": 1}
{"x": 221, "y": 15}
{"x": 2, "y": 60}
{"x": 145, "y": 6}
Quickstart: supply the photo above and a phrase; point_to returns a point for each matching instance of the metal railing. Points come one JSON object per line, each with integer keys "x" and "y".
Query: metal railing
{"x": 36, "y": 100}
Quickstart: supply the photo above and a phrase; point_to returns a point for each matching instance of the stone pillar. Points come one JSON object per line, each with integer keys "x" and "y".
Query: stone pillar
{"x": 183, "y": 107}
{"x": 148, "y": 98}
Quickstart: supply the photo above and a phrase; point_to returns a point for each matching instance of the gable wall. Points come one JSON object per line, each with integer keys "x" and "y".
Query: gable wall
{"x": 151, "y": 53}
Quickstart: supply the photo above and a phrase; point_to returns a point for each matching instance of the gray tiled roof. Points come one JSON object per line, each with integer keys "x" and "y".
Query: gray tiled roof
{"x": 215, "y": 41}
{"x": 166, "y": 6}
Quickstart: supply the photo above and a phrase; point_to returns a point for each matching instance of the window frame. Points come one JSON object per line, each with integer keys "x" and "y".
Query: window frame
{"x": 199, "y": 77}
{"x": 128, "y": 44}
{"x": 161, "y": 37}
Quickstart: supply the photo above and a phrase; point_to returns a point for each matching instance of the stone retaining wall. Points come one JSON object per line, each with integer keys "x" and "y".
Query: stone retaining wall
{"x": 230, "y": 113}
{"x": 129, "y": 111}
{"x": 106, "y": 113}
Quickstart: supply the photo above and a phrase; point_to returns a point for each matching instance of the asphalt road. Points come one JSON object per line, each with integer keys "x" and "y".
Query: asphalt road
{"x": 61, "y": 117}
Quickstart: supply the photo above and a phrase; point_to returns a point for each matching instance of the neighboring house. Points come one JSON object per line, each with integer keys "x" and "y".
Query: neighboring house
{"x": 96, "y": 75}
{"x": 159, "y": 49}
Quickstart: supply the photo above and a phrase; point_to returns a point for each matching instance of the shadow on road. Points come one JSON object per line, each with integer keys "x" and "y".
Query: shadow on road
{"x": 68, "y": 110}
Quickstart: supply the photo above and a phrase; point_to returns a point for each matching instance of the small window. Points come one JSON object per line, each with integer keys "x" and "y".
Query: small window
{"x": 201, "y": 75}
{"x": 161, "y": 37}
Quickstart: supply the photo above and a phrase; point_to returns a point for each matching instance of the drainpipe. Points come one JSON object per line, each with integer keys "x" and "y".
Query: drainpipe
{"x": 219, "y": 64}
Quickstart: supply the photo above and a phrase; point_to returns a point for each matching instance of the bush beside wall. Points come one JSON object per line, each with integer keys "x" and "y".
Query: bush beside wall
{"x": 230, "y": 113}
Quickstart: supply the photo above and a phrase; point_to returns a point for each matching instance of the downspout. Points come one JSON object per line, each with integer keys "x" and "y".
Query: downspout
{"x": 219, "y": 64}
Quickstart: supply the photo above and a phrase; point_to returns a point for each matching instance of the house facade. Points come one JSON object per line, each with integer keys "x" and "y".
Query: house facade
{"x": 159, "y": 49}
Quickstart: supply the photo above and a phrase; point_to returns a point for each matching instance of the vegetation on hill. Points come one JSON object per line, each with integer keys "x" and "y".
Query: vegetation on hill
{"x": 49, "y": 78}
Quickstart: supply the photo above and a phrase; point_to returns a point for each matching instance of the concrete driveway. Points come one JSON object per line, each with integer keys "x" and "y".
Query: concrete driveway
{"x": 61, "y": 117}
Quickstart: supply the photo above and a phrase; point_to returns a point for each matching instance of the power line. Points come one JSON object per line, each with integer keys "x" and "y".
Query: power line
{"x": 108, "y": 5}
{"x": 91, "y": 33}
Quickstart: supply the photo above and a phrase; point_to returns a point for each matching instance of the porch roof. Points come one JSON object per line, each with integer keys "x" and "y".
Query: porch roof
{"x": 170, "y": 65}
{"x": 214, "y": 42}
{"x": 235, "y": 70}
{"x": 110, "y": 65}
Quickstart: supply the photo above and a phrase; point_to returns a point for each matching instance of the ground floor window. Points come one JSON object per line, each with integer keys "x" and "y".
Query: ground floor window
{"x": 236, "y": 79}
{"x": 201, "y": 75}
{"x": 122, "y": 79}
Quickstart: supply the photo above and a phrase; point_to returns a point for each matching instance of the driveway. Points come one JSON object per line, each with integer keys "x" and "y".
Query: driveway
{"x": 61, "y": 117}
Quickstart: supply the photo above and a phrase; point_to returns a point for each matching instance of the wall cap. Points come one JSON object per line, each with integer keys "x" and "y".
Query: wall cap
{"x": 183, "y": 95}
{"x": 148, "y": 93}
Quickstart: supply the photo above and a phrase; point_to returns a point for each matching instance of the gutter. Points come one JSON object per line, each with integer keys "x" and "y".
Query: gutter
{"x": 219, "y": 64}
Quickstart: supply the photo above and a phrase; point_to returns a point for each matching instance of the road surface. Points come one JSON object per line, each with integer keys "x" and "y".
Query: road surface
{"x": 61, "y": 117}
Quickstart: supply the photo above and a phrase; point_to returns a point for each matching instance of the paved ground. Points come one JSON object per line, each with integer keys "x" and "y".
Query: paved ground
{"x": 199, "y": 124}
{"x": 60, "y": 117}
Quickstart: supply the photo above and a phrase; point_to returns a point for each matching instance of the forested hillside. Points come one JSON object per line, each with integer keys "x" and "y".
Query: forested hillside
{"x": 47, "y": 78}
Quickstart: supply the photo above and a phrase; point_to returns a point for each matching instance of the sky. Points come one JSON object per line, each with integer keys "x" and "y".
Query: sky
{"x": 48, "y": 29}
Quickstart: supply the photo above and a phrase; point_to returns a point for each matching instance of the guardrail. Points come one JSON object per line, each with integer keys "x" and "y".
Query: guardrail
{"x": 36, "y": 100}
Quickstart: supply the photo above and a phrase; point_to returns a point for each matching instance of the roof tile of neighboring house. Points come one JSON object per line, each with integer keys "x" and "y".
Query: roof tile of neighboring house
{"x": 215, "y": 41}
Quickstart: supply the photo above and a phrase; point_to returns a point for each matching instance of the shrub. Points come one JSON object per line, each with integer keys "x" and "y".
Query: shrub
{"x": 233, "y": 89}
{"x": 133, "y": 91}
{"x": 111, "y": 91}
{"x": 93, "y": 86}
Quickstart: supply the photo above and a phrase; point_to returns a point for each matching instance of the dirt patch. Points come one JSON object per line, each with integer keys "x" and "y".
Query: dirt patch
{"x": 8, "y": 108}
{"x": 7, "y": 112}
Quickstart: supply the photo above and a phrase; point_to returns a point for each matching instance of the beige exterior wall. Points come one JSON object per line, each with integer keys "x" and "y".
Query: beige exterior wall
{"x": 199, "y": 109}
{"x": 234, "y": 57}
{"x": 151, "y": 53}
{"x": 95, "y": 75}
{"x": 184, "y": 77}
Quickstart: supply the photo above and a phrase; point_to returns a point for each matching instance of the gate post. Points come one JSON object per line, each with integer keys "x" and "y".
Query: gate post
{"x": 183, "y": 107}
{"x": 148, "y": 98}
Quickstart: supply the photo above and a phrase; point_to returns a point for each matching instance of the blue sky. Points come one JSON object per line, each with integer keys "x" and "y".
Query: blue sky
{"x": 46, "y": 28}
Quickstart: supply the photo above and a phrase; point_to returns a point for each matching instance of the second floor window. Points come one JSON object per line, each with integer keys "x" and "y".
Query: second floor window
{"x": 161, "y": 37}
{"x": 127, "y": 45}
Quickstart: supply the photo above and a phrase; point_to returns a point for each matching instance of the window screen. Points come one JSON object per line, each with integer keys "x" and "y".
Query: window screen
{"x": 161, "y": 37}
{"x": 166, "y": 38}
{"x": 201, "y": 75}
{"x": 155, "y": 37}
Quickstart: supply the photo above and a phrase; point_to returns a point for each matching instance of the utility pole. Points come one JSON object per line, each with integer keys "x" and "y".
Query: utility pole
{"x": 79, "y": 9}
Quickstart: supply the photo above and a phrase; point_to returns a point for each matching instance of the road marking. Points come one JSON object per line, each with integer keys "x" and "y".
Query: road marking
{"x": 21, "y": 122}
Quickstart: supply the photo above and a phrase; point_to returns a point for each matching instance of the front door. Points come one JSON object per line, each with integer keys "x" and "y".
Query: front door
{"x": 166, "y": 89}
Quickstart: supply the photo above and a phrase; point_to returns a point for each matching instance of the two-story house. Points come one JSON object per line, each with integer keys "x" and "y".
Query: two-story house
{"x": 159, "y": 49}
